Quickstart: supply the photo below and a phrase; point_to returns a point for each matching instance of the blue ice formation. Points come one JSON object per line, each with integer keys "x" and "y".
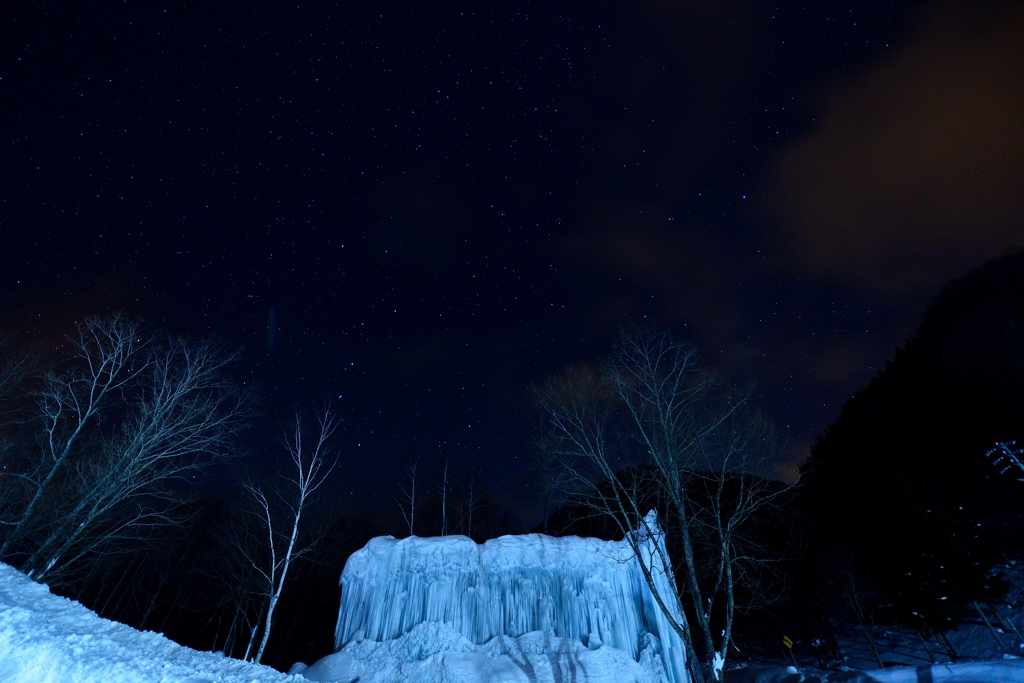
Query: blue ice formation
{"x": 583, "y": 589}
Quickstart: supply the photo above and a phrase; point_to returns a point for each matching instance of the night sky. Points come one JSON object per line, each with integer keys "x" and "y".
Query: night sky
{"x": 417, "y": 209}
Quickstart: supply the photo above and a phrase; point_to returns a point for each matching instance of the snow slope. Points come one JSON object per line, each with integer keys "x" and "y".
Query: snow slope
{"x": 45, "y": 638}
{"x": 975, "y": 641}
{"x": 436, "y": 653}
{"x": 1009, "y": 671}
{"x": 582, "y": 603}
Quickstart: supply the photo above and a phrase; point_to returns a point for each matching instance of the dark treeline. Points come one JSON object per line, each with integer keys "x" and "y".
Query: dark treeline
{"x": 901, "y": 481}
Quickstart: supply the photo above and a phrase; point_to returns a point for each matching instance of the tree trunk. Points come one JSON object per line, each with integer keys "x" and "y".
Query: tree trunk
{"x": 287, "y": 560}
{"x": 991, "y": 630}
{"x": 103, "y": 609}
{"x": 924, "y": 644}
{"x": 252, "y": 640}
{"x": 871, "y": 642}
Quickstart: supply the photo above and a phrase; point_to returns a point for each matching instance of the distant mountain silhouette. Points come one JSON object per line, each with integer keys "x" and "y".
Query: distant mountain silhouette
{"x": 901, "y": 476}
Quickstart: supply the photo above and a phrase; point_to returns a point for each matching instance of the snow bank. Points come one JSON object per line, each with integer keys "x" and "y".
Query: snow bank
{"x": 45, "y": 638}
{"x": 1007, "y": 671}
{"x": 1010, "y": 671}
{"x": 436, "y": 653}
{"x": 524, "y": 606}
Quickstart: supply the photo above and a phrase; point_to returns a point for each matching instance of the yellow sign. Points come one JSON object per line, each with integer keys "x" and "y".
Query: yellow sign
{"x": 788, "y": 642}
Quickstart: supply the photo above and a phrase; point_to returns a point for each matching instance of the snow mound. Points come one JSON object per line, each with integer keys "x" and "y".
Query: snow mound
{"x": 45, "y": 638}
{"x": 1011, "y": 671}
{"x": 513, "y": 608}
{"x": 437, "y": 653}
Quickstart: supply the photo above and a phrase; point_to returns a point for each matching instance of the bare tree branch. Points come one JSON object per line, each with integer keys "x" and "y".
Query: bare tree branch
{"x": 312, "y": 465}
{"x": 124, "y": 430}
{"x": 654, "y": 428}
{"x": 407, "y": 498}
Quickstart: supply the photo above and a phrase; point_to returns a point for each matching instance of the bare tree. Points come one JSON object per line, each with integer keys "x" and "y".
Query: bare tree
{"x": 473, "y": 500}
{"x": 444, "y": 499}
{"x": 15, "y": 368}
{"x": 311, "y": 468}
{"x": 654, "y": 428}
{"x": 238, "y": 567}
{"x": 95, "y": 488}
{"x": 851, "y": 590}
{"x": 408, "y": 496}
{"x": 548, "y": 473}
{"x": 103, "y": 355}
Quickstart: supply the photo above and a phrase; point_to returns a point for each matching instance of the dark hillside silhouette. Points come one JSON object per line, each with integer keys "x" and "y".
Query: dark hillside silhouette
{"x": 901, "y": 475}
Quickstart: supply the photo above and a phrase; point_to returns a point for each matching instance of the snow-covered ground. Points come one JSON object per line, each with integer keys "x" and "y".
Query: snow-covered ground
{"x": 1011, "y": 671}
{"x": 437, "y": 653}
{"x": 976, "y": 640}
{"x": 45, "y": 638}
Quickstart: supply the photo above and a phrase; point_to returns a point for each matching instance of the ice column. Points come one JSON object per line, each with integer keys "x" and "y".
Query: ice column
{"x": 582, "y": 588}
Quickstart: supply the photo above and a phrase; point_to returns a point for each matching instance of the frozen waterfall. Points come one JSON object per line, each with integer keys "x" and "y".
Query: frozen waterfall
{"x": 580, "y": 589}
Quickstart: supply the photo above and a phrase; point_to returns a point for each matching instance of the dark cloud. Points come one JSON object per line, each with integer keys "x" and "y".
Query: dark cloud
{"x": 685, "y": 266}
{"x": 915, "y": 169}
{"x": 716, "y": 39}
